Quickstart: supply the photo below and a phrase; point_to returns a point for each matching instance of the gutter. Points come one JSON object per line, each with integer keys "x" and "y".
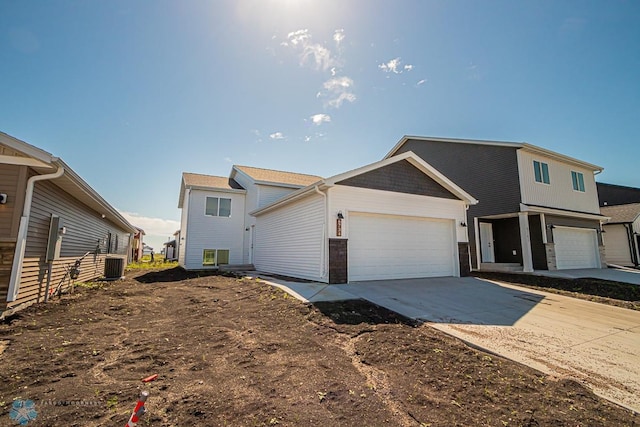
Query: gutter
{"x": 21, "y": 243}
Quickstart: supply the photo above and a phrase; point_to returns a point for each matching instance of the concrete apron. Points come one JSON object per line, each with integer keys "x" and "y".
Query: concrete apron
{"x": 596, "y": 344}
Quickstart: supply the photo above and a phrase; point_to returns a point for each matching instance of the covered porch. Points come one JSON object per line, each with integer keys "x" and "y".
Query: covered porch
{"x": 539, "y": 238}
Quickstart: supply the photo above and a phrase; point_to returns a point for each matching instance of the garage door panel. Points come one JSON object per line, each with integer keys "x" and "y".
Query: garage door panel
{"x": 576, "y": 248}
{"x": 390, "y": 247}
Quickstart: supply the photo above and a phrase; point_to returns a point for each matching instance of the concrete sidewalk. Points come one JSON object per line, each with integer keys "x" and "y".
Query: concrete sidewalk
{"x": 624, "y": 275}
{"x": 596, "y": 344}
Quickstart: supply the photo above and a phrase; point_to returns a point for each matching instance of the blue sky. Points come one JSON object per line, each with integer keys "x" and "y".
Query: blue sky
{"x": 131, "y": 94}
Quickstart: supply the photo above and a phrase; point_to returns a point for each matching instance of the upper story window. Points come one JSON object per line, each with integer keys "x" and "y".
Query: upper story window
{"x": 578, "y": 181}
{"x": 218, "y": 206}
{"x": 541, "y": 172}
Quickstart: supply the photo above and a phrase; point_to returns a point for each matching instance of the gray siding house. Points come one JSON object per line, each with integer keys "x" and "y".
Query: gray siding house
{"x": 50, "y": 218}
{"x": 537, "y": 209}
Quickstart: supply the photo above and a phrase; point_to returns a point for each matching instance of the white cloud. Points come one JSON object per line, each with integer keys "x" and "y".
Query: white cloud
{"x": 307, "y": 138}
{"x": 338, "y": 90}
{"x": 298, "y": 37}
{"x": 152, "y": 226}
{"x": 421, "y": 82}
{"x": 318, "y": 119}
{"x": 228, "y": 160}
{"x": 338, "y": 36}
{"x": 276, "y": 135}
{"x": 395, "y": 66}
{"x": 318, "y": 56}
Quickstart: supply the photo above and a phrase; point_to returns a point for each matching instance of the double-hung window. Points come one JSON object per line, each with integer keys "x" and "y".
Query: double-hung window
{"x": 217, "y": 206}
{"x": 215, "y": 257}
{"x": 541, "y": 172}
{"x": 578, "y": 181}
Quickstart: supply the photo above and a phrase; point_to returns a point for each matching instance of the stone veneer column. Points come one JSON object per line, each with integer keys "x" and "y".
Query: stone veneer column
{"x": 338, "y": 261}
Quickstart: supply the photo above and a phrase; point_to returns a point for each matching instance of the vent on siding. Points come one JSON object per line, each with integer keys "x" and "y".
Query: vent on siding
{"x": 113, "y": 268}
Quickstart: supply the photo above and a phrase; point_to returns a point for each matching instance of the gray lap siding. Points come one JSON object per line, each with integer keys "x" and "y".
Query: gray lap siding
{"x": 86, "y": 230}
{"x": 487, "y": 172}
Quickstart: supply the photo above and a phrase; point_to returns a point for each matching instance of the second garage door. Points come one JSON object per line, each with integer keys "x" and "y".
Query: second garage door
{"x": 399, "y": 247}
{"x": 576, "y": 248}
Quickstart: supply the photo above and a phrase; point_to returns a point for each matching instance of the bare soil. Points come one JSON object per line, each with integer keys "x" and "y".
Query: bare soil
{"x": 237, "y": 352}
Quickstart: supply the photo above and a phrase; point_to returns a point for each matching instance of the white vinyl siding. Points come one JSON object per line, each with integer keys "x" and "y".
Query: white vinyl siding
{"x": 291, "y": 240}
{"x": 576, "y": 248}
{"x": 616, "y": 243}
{"x": 212, "y": 232}
{"x": 268, "y": 194}
{"x": 400, "y": 247}
{"x": 559, "y": 193}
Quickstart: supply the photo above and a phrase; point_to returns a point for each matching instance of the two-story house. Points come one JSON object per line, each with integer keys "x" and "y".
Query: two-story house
{"x": 216, "y": 228}
{"x": 537, "y": 209}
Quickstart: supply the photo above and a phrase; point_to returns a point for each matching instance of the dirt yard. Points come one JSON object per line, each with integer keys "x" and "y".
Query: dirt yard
{"x": 237, "y": 352}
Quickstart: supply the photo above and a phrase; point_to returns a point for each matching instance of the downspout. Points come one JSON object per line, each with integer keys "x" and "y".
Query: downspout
{"x": 21, "y": 243}
{"x": 323, "y": 249}
{"x": 632, "y": 244}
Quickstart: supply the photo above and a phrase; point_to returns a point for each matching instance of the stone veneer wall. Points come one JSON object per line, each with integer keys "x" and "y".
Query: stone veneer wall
{"x": 463, "y": 256}
{"x": 338, "y": 261}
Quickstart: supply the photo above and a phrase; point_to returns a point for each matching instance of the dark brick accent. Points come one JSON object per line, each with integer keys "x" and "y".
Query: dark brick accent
{"x": 400, "y": 177}
{"x": 338, "y": 261}
{"x": 463, "y": 256}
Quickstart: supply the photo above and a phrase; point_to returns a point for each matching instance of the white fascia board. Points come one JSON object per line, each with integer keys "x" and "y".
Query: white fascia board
{"x": 561, "y": 157}
{"x": 454, "y": 140}
{"x": 560, "y": 212}
{"x": 416, "y": 161}
{"x": 216, "y": 189}
{"x": 23, "y": 161}
{"x": 28, "y": 149}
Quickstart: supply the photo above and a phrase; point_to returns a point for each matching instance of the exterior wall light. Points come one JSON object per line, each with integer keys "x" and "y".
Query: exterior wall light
{"x": 340, "y": 216}
{"x": 463, "y": 224}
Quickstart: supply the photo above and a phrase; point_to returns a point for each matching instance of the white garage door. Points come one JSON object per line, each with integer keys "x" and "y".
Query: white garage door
{"x": 576, "y": 248}
{"x": 399, "y": 247}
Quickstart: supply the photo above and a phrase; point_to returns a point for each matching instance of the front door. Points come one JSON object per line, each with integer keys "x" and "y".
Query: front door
{"x": 486, "y": 242}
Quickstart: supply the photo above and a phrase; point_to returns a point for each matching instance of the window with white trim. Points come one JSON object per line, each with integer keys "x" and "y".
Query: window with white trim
{"x": 577, "y": 178}
{"x": 217, "y": 206}
{"x": 215, "y": 257}
{"x": 541, "y": 172}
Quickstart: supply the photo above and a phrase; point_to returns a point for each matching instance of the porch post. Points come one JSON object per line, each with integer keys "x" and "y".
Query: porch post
{"x": 525, "y": 242}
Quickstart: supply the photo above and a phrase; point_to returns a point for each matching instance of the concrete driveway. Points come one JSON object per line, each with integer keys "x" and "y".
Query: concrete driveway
{"x": 596, "y": 344}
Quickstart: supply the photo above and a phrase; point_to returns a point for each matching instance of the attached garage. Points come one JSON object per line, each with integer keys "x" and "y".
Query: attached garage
{"x": 576, "y": 248}
{"x": 400, "y": 247}
{"x": 394, "y": 219}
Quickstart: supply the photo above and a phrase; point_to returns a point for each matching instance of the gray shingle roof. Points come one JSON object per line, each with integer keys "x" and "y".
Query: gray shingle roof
{"x": 269, "y": 175}
{"x": 200, "y": 180}
{"x": 622, "y": 213}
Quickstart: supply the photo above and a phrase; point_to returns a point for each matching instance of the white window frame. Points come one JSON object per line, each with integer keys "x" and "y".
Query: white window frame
{"x": 539, "y": 169}
{"x": 216, "y": 257}
{"x": 577, "y": 181}
{"x": 218, "y": 209}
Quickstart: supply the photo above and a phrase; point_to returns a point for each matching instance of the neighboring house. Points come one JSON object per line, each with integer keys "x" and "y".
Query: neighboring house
{"x": 137, "y": 244}
{"x": 146, "y": 249}
{"x": 171, "y": 248}
{"x": 611, "y": 194}
{"x": 622, "y": 238}
{"x": 397, "y": 218}
{"x": 49, "y": 219}
{"x": 216, "y": 228}
{"x": 538, "y": 209}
